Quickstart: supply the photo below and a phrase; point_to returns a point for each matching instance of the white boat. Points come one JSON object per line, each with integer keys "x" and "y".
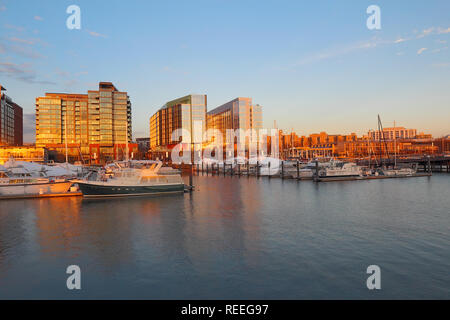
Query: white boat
{"x": 308, "y": 171}
{"x": 21, "y": 184}
{"x": 340, "y": 171}
{"x": 401, "y": 172}
{"x": 126, "y": 181}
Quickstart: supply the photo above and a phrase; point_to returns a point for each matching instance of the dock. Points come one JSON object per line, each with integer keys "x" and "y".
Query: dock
{"x": 40, "y": 196}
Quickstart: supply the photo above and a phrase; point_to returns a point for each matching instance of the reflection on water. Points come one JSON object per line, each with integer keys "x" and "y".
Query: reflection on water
{"x": 234, "y": 238}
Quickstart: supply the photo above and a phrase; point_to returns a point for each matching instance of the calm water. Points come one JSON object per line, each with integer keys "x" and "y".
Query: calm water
{"x": 238, "y": 238}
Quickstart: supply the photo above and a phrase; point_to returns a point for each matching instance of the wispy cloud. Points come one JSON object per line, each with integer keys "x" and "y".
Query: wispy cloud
{"x": 442, "y": 65}
{"x": 96, "y": 34}
{"x": 21, "y": 49}
{"x": 426, "y": 32}
{"x": 442, "y": 31}
{"x": 439, "y": 50}
{"x": 400, "y": 40}
{"x": 421, "y": 50}
{"x": 38, "y": 18}
{"x": 25, "y": 41}
{"x": 23, "y": 72}
{"x": 2, "y": 8}
{"x": 13, "y": 27}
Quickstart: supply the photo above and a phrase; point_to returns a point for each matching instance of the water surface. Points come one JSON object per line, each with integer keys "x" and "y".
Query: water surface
{"x": 235, "y": 238}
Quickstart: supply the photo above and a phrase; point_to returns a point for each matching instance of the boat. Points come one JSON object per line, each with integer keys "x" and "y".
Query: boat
{"x": 307, "y": 172}
{"x": 266, "y": 166}
{"x": 123, "y": 181}
{"x": 18, "y": 183}
{"x": 399, "y": 172}
{"x": 340, "y": 171}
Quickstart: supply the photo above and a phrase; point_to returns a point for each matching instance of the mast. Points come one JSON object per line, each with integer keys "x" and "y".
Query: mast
{"x": 65, "y": 135}
{"x": 381, "y": 131}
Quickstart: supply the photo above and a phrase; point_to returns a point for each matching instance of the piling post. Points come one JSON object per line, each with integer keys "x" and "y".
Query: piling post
{"x": 190, "y": 175}
{"x": 282, "y": 169}
{"x": 317, "y": 170}
{"x": 257, "y": 168}
{"x": 429, "y": 165}
{"x": 298, "y": 169}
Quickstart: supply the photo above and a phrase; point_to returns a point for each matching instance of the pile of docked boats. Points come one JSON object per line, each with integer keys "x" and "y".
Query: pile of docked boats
{"x": 20, "y": 179}
{"x": 336, "y": 170}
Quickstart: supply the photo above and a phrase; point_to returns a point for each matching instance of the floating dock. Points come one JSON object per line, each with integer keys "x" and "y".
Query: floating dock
{"x": 371, "y": 177}
{"x": 39, "y": 196}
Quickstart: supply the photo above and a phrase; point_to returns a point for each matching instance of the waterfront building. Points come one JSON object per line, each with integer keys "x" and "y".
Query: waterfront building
{"x": 393, "y": 133}
{"x": 239, "y": 113}
{"x": 186, "y": 113}
{"x": 92, "y": 127}
{"x": 23, "y": 153}
{"x": 11, "y": 121}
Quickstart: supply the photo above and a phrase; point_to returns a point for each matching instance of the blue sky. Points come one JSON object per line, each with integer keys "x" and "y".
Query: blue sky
{"x": 313, "y": 65}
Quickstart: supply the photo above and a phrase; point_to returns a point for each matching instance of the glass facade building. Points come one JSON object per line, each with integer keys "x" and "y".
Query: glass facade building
{"x": 96, "y": 125}
{"x": 183, "y": 113}
{"x": 11, "y": 121}
{"x": 239, "y": 113}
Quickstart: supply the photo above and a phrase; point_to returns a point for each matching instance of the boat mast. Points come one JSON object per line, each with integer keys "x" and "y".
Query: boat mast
{"x": 381, "y": 131}
{"x": 65, "y": 135}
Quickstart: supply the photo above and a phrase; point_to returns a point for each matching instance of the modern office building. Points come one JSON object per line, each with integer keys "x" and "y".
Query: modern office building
{"x": 239, "y": 113}
{"x": 92, "y": 127}
{"x": 187, "y": 113}
{"x": 11, "y": 121}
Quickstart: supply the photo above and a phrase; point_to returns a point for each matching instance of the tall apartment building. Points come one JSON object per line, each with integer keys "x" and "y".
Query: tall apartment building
{"x": 393, "y": 133}
{"x": 11, "y": 121}
{"x": 239, "y": 113}
{"x": 182, "y": 113}
{"x": 94, "y": 126}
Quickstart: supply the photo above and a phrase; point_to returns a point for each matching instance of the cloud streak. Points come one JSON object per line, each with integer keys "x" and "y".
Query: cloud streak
{"x": 96, "y": 34}
{"x": 23, "y": 72}
{"x": 421, "y": 50}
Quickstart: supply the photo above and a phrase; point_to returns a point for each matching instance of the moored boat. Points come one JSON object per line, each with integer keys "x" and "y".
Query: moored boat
{"x": 23, "y": 185}
{"x": 132, "y": 182}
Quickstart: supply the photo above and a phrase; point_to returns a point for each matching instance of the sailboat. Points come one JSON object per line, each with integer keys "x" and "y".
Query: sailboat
{"x": 395, "y": 171}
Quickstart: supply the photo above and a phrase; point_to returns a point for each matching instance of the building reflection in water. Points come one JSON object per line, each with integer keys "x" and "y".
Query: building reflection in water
{"x": 219, "y": 221}
{"x": 222, "y": 218}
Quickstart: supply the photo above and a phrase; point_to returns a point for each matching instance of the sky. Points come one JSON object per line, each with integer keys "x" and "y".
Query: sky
{"x": 313, "y": 65}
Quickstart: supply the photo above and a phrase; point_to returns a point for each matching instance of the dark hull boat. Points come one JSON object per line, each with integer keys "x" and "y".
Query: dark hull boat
{"x": 118, "y": 181}
{"x": 103, "y": 190}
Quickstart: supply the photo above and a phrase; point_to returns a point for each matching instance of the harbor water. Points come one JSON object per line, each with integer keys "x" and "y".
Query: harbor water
{"x": 234, "y": 238}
